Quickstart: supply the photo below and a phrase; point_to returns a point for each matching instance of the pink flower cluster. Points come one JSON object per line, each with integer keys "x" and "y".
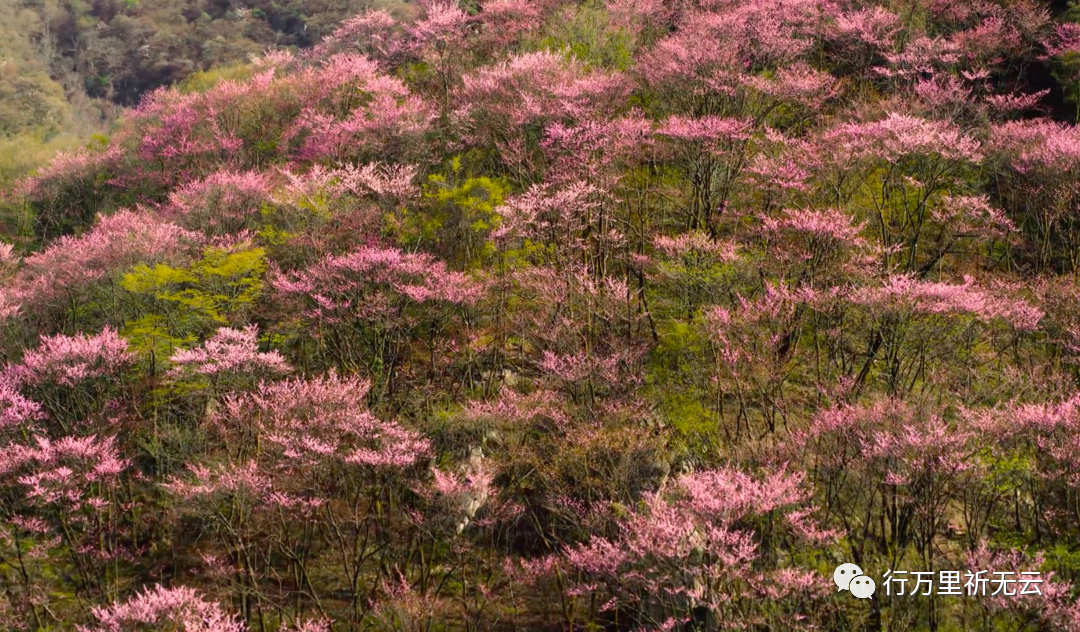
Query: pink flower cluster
{"x": 180, "y": 608}
{"x": 322, "y": 420}
{"x": 69, "y": 360}
{"x": 229, "y": 351}
{"x": 118, "y": 241}
{"x": 904, "y": 293}
{"x": 685, "y": 547}
{"x": 900, "y": 135}
{"x": 220, "y": 202}
{"x": 364, "y": 282}
{"x": 71, "y": 473}
{"x": 16, "y": 411}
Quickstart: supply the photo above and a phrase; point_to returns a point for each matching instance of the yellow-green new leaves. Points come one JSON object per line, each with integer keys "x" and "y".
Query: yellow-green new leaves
{"x": 149, "y": 338}
{"x": 216, "y": 289}
{"x": 464, "y": 211}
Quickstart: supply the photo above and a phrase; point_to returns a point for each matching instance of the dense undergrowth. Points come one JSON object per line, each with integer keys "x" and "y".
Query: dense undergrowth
{"x": 549, "y": 315}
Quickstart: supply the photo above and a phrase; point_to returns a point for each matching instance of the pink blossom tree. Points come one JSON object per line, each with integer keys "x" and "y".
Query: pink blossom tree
{"x": 389, "y": 119}
{"x": 884, "y": 473}
{"x": 374, "y": 34}
{"x": 691, "y": 555}
{"x": 230, "y": 355}
{"x": 712, "y": 152}
{"x": 61, "y": 281}
{"x": 919, "y": 162}
{"x": 367, "y": 303}
{"x": 181, "y": 608}
{"x": 71, "y": 190}
{"x": 908, "y": 317}
{"x": 1034, "y": 163}
{"x": 69, "y": 511}
{"x": 438, "y": 40}
{"x": 304, "y": 457}
{"x": 507, "y": 106}
{"x": 818, "y": 249}
{"x": 506, "y": 22}
{"x": 222, "y": 203}
{"x": 73, "y": 376}
{"x": 1041, "y": 436}
{"x": 751, "y": 351}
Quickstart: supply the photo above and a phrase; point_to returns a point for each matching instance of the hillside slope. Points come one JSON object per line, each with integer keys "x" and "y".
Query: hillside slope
{"x": 626, "y": 315}
{"x": 67, "y": 66}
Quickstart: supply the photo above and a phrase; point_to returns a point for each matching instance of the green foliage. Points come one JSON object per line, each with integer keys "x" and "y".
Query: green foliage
{"x": 215, "y": 290}
{"x": 680, "y": 343}
{"x": 149, "y": 338}
{"x": 475, "y": 198}
{"x": 37, "y": 118}
{"x": 585, "y": 30}
{"x": 206, "y": 79}
{"x": 30, "y": 100}
{"x": 462, "y": 212}
{"x": 273, "y": 236}
{"x": 1010, "y": 471}
{"x": 1065, "y": 69}
{"x": 1064, "y": 561}
{"x": 688, "y": 415}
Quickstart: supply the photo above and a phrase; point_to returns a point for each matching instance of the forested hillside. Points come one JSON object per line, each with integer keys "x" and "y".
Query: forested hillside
{"x": 548, "y": 315}
{"x": 120, "y": 49}
{"x": 37, "y": 115}
{"x": 66, "y": 65}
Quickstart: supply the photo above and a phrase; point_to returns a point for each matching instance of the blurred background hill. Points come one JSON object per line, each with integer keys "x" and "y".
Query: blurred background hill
{"x": 67, "y": 67}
